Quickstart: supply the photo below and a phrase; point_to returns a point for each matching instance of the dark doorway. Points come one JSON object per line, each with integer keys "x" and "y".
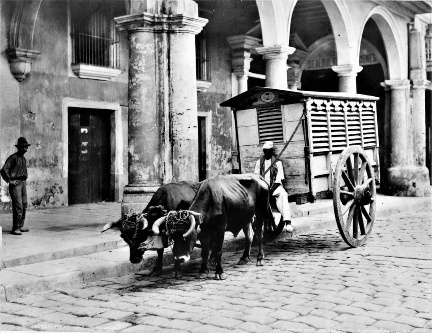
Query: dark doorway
{"x": 202, "y": 151}
{"x": 89, "y": 155}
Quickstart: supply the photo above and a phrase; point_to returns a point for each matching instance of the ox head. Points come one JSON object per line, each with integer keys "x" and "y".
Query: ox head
{"x": 181, "y": 229}
{"x": 136, "y": 231}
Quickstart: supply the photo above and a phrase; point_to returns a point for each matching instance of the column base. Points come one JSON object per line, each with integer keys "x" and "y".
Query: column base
{"x": 408, "y": 181}
{"x": 136, "y": 198}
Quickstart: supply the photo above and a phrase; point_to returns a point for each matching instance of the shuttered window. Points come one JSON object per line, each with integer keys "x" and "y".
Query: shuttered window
{"x": 335, "y": 125}
{"x": 270, "y": 124}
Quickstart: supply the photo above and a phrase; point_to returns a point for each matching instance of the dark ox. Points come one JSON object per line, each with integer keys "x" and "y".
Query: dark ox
{"x": 137, "y": 229}
{"x": 223, "y": 203}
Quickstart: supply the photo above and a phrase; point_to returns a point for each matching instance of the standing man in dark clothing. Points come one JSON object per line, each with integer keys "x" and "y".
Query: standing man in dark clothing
{"x": 14, "y": 172}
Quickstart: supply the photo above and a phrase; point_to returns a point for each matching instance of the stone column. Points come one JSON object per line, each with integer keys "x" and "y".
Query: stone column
{"x": 293, "y": 75}
{"x": 242, "y": 47}
{"x": 163, "y": 130}
{"x": 403, "y": 178}
{"x": 347, "y": 77}
{"x": 276, "y": 65}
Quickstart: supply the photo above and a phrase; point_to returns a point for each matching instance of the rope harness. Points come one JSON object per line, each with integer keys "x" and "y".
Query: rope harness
{"x": 130, "y": 223}
{"x": 177, "y": 222}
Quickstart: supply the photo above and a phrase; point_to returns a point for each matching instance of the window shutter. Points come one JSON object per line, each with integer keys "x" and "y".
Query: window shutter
{"x": 270, "y": 124}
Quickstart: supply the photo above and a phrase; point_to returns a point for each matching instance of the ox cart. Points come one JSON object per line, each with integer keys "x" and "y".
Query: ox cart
{"x": 328, "y": 145}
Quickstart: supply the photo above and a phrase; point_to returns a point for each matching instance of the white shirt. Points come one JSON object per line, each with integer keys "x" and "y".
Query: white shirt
{"x": 280, "y": 174}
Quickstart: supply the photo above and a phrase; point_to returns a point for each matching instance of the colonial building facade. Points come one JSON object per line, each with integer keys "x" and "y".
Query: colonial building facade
{"x": 120, "y": 96}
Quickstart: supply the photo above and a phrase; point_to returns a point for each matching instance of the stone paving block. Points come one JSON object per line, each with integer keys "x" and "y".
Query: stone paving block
{"x": 356, "y": 319}
{"x": 260, "y": 319}
{"x": 284, "y": 314}
{"x": 303, "y": 310}
{"x": 355, "y": 327}
{"x": 316, "y": 322}
{"x": 386, "y": 301}
{"x": 399, "y": 310}
{"x": 253, "y": 327}
{"x": 320, "y": 305}
{"x": 389, "y": 295}
{"x": 378, "y": 315}
{"x": 367, "y": 306}
{"x": 182, "y": 325}
{"x": 421, "y": 305}
{"x": 392, "y": 326}
{"x": 10, "y": 328}
{"x": 324, "y": 313}
{"x": 291, "y": 326}
{"x": 425, "y": 315}
{"x": 257, "y": 310}
{"x": 344, "y": 309}
{"x": 219, "y": 321}
{"x": 141, "y": 329}
{"x": 114, "y": 314}
{"x": 335, "y": 300}
{"x": 211, "y": 329}
{"x": 421, "y": 330}
{"x": 80, "y": 311}
{"x": 17, "y": 320}
{"x": 114, "y": 326}
{"x": 411, "y": 321}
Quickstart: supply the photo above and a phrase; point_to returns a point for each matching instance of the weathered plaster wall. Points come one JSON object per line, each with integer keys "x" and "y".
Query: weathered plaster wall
{"x": 209, "y": 101}
{"x": 37, "y": 105}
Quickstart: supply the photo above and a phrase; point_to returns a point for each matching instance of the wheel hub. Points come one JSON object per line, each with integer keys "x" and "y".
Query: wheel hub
{"x": 362, "y": 195}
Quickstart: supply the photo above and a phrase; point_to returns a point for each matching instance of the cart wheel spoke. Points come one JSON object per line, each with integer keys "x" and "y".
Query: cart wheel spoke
{"x": 356, "y": 169}
{"x": 347, "y": 181}
{"x": 361, "y": 173}
{"x": 354, "y": 195}
{"x": 360, "y": 222}
{"x": 350, "y": 170}
{"x": 366, "y": 214}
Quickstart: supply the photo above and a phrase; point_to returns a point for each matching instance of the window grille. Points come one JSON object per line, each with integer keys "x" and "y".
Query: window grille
{"x": 203, "y": 72}
{"x": 270, "y": 124}
{"x": 428, "y": 43}
{"x": 95, "y": 39}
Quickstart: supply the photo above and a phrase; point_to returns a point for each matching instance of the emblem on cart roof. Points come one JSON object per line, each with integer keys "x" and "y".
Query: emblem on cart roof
{"x": 268, "y": 96}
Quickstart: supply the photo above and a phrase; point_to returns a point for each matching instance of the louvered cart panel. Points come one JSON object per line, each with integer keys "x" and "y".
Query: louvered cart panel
{"x": 328, "y": 145}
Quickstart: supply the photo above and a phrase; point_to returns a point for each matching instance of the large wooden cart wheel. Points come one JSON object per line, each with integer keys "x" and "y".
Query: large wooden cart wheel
{"x": 354, "y": 196}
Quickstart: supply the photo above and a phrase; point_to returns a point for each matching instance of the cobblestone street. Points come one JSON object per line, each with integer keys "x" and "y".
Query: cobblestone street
{"x": 309, "y": 283}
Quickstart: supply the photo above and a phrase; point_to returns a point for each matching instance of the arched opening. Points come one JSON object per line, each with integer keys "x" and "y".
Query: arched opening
{"x": 373, "y": 61}
{"x": 311, "y": 34}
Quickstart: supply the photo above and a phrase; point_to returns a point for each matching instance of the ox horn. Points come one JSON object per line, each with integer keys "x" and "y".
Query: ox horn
{"x": 192, "y": 226}
{"x": 157, "y": 224}
{"x": 145, "y": 222}
{"x": 109, "y": 225}
{"x": 197, "y": 216}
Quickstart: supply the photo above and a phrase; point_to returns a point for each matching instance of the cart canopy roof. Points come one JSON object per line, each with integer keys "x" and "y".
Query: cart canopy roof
{"x": 260, "y": 96}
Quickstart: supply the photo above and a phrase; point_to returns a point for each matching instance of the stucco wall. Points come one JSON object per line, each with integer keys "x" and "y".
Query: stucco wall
{"x": 33, "y": 107}
{"x": 209, "y": 101}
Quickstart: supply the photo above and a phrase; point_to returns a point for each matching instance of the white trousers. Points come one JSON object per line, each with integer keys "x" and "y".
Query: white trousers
{"x": 282, "y": 204}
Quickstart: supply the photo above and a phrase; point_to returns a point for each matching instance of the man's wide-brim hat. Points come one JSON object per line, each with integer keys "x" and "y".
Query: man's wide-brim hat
{"x": 268, "y": 145}
{"x": 22, "y": 142}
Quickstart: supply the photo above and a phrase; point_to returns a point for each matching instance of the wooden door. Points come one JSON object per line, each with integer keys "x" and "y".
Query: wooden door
{"x": 202, "y": 151}
{"x": 89, "y": 155}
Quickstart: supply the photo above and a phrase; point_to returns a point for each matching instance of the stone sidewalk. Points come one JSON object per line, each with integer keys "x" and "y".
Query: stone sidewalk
{"x": 65, "y": 247}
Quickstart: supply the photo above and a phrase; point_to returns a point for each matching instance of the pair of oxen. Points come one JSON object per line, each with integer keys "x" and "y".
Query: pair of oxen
{"x": 181, "y": 213}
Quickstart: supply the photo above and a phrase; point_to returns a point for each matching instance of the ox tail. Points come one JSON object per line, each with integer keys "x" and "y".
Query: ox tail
{"x": 271, "y": 230}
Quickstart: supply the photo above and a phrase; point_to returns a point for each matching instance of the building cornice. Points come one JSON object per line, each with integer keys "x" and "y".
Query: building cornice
{"x": 407, "y": 9}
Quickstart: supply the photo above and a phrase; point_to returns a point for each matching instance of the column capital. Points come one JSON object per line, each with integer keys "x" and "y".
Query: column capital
{"x": 244, "y": 42}
{"x": 276, "y": 51}
{"x": 396, "y": 84}
{"x": 158, "y": 23}
{"x": 20, "y": 61}
{"x": 241, "y": 65}
{"x": 347, "y": 70}
{"x": 420, "y": 84}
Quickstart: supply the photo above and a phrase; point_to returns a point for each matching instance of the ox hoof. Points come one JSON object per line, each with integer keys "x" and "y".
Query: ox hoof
{"x": 259, "y": 263}
{"x": 221, "y": 276}
{"x": 177, "y": 275}
{"x": 203, "y": 275}
{"x": 243, "y": 261}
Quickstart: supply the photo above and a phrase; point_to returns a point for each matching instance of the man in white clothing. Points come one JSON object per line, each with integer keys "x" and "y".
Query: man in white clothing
{"x": 274, "y": 178}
